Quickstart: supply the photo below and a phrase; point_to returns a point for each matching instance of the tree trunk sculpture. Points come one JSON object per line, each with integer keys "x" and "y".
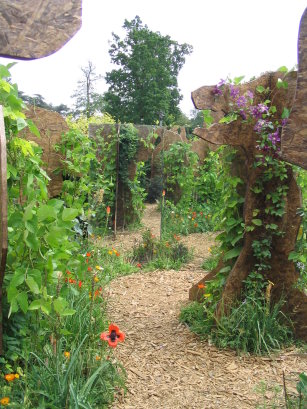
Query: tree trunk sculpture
{"x": 241, "y": 134}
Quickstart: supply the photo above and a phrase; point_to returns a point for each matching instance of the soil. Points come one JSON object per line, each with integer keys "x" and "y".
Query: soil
{"x": 167, "y": 366}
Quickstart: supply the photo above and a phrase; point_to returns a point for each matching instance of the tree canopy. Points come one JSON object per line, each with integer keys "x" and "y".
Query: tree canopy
{"x": 144, "y": 87}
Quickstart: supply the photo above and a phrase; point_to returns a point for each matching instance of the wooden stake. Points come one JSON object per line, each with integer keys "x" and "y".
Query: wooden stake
{"x": 3, "y": 216}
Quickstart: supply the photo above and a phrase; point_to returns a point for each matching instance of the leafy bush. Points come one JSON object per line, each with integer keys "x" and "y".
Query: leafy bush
{"x": 163, "y": 254}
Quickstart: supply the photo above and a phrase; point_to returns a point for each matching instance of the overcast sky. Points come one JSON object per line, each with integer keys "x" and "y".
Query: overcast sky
{"x": 229, "y": 37}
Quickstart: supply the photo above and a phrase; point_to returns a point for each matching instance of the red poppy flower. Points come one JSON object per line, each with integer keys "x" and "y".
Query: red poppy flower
{"x": 80, "y": 284}
{"x": 68, "y": 272}
{"x": 201, "y": 286}
{"x": 113, "y": 336}
{"x": 89, "y": 269}
{"x": 139, "y": 265}
{"x": 88, "y": 254}
{"x": 108, "y": 210}
{"x": 71, "y": 281}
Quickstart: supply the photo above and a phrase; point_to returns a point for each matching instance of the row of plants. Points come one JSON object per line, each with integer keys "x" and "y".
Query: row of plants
{"x": 55, "y": 351}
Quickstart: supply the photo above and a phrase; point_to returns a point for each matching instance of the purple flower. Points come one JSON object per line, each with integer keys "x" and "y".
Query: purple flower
{"x": 241, "y": 101}
{"x": 234, "y": 92}
{"x": 274, "y": 137}
{"x": 258, "y": 110}
{"x": 284, "y": 121}
{"x": 249, "y": 94}
{"x": 262, "y": 125}
{"x": 218, "y": 88}
{"x": 217, "y": 91}
{"x": 243, "y": 114}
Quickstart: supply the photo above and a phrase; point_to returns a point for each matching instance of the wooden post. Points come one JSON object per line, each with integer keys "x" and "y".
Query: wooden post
{"x": 3, "y": 217}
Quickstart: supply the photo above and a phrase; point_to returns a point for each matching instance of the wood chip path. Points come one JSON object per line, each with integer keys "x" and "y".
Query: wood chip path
{"x": 167, "y": 366}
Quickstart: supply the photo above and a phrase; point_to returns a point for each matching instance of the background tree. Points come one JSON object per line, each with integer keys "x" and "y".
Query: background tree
{"x": 39, "y": 101}
{"x": 144, "y": 87}
{"x": 87, "y": 100}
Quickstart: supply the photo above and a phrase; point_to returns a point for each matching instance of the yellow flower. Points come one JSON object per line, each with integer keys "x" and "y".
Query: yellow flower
{"x": 110, "y": 252}
{"x": 67, "y": 354}
{"x": 209, "y": 249}
{"x": 99, "y": 268}
{"x": 16, "y": 376}
{"x": 207, "y": 295}
{"x": 96, "y": 279}
{"x": 5, "y": 401}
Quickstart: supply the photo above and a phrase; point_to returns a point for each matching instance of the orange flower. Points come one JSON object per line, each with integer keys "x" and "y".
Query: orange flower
{"x": 163, "y": 193}
{"x": 9, "y": 377}
{"x": 5, "y": 401}
{"x": 113, "y": 336}
{"x": 67, "y": 354}
{"x": 89, "y": 268}
{"x": 108, "y": 210}
{"x": 98, "y": 358}
{"x": 96, "y": 279}
{"x": 195, "y": 224}
{"x": 201, "y": 286}
{"x": 139, "y": 265}
{"x": 68, "y": 272}
{"x": 71, "y": 281}
{"x": 98, "y": 292}
{"x": 88, "y": 254}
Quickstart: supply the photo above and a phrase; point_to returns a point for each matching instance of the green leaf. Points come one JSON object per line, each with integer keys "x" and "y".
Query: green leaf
{"x": 28, "y": 213}
{"x": 225, "y": 269}
{"x": 232, "y": 253}
{"x": 69, "y": 214}
{"x": 31, "y": 240}
{"x": 257, "y": 222}
{"x": 22, "y": 299}
{"x": 281, "y": 84}
{"x": 59, "y": 305}
{"x": 18, "y": 278}
{"x": 32, "y": 285}
{"x": 260, "y": 89}
{"x": 208, "y": 118}
{"x": 67, "y": 312}
{"x": 283, "y": 69}
{"x": 21, "y": 123}
{"x": 237, "y": 80}
{"x": 35, "y": 305}
{"x": 285, "y": 113}
{"x": 32, "y": 127}
{"x": 46, "y": 212}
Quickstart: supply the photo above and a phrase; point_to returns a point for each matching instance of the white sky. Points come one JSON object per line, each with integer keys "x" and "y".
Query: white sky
{"x": 230, "y": 38}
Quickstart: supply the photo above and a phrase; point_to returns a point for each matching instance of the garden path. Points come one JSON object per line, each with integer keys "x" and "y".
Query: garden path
{"x": 167, "y": 366}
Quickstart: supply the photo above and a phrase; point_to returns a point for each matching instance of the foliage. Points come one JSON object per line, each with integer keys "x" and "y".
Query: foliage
{"x": 52, "y": 292}
{"x": 299, "y": 255}
{"x": 162, "y": 254}
{"x": 275, "y": 396}
{"x": 144, "y": 88}
{"x": 179, "y": 163}
{"x": 253, "y": 325}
